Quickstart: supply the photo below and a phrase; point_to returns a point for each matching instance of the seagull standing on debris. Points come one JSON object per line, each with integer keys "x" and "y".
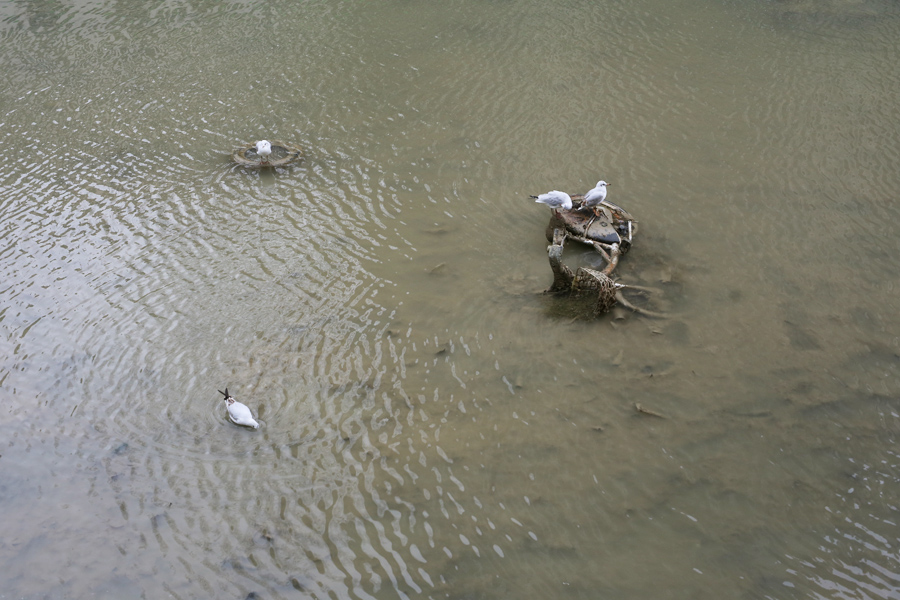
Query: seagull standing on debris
{"x": 556, "y": 200}
{"x": 237, "y": 412}
{"x": 263, "y": 149}
{"x": 596, "y": 196}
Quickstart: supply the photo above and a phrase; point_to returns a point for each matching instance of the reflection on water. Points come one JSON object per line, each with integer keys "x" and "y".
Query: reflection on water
{"x": 431, "y": 425}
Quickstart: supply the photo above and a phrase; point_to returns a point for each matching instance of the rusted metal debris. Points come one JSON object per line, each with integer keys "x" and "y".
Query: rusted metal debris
{"x": 610, "y": 230}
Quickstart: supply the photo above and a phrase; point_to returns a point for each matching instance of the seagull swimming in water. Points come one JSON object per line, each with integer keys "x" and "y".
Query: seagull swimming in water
{"x": 237, "y": 412}
{"x": 596, "y": 196}
{"x": 556, "y": 200}
{"x": 263, "y": 149}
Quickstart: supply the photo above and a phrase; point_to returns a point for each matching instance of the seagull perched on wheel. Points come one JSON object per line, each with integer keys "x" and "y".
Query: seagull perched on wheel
{"x": 596, "y": 196}
{"x": 263, "y": 149}
{"x": 237, "y": 412}
{"x": 556, "y": 200}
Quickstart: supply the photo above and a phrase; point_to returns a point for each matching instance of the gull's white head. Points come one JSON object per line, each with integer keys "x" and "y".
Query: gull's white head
{"x": 264, "y": 149}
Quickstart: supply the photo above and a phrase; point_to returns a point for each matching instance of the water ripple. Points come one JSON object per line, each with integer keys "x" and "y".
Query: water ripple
{"x": 430, "y": 424}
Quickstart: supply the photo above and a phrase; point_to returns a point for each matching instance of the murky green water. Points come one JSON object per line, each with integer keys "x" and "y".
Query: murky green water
{"x": 433, "y": 426}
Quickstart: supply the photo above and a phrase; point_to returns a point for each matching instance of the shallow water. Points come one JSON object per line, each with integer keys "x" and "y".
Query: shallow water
{"x": 432, "y": 425}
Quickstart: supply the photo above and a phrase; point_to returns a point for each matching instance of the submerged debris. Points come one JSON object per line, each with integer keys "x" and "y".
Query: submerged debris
{"x": 263, "y": 154}
{"x": 649, "y": 412}
{"x": 610, "y": 230}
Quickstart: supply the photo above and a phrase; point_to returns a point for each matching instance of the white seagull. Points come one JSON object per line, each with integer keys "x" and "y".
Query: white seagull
{"x": 263, "y": 149}
{"x": 237, "y": 412}
{"x": 596, "y": 196}
{"x": 555, "y": 200}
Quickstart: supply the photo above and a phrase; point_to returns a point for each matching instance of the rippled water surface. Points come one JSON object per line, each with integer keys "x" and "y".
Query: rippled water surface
{"x": 431, "y": 424}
